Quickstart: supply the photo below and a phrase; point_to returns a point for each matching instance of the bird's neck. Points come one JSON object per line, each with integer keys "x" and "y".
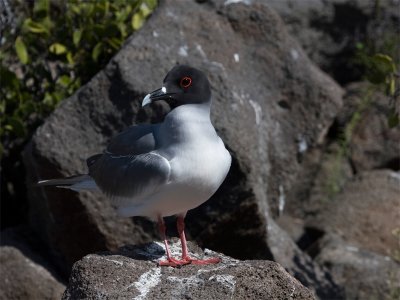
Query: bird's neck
{"x": 190, "y": 113}
{"x": 187, "y": 123}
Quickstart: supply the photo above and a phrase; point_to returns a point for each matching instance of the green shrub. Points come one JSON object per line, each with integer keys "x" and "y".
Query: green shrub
{"x": 57, "y": 47}
{"x": 382, "y": 73}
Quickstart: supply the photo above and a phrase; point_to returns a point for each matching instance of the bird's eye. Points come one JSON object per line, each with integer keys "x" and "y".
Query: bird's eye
{"x": 186, "y": 82}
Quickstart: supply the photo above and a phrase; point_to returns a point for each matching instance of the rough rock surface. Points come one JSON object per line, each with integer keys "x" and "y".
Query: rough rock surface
{"x": 373, "y": 143}
{"x": 363, "y": 274}
{"x": 330, "y": 30}
{"x": 22, "y": 272}
{"x": 370, "y": 203}
{"x": 132, "y": 273}
{"x": 349, "y": 231}
{"x": 316, "y": 277}
{"x": 348, "y": 189}
{"x": 268, "y": 96}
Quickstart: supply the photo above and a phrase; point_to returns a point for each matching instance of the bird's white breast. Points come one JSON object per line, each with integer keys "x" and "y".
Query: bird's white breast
{"x": 198, "y": 157}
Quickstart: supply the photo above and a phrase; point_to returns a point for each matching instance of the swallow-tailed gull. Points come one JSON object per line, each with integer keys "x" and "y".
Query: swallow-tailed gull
{"x": 164, "y": 169}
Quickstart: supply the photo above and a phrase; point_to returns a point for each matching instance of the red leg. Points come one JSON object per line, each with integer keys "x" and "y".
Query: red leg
{"x": 172, "y": 262}
{"x": 185, "y": 254}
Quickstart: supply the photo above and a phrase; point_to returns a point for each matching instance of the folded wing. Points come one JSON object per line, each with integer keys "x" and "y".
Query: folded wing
{"x": 130, "y": 168}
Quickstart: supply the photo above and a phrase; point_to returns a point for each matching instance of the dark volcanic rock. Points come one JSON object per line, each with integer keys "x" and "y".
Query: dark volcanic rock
{"x": 362, "y": 273}
{"x": 132, "y": 273}
{"x": 330, "y": 30}
{"x": 371, "y": 204}
{"x": 23, "y": 273}
{"x": 300, "y": 265}
{"x": 373, "y": 144}
{"x": 370, "y": 144}
{"x": 271, "y": 105}
{"x": 331, "y": 175}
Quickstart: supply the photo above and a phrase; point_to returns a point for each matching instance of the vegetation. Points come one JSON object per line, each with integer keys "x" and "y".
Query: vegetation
{"x": 381, "y": 72}
{"x": 55, "y": 48}
{"x": 48, "y": 49}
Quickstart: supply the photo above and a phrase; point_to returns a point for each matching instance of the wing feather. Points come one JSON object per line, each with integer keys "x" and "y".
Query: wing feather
{"x": 129, "y": 168}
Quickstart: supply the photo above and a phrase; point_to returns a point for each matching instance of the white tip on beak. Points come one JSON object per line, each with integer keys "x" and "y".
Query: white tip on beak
{"x": 146, "y": 100}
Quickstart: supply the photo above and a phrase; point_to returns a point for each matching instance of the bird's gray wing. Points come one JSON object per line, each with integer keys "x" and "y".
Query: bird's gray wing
{"x": 129, "y": 167}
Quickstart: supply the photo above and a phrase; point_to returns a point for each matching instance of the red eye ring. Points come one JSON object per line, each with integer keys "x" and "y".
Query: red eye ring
{"x": 185, "y": 82}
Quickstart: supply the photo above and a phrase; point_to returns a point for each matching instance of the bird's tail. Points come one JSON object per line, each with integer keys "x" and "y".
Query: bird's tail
{"x": 75, "y": 183}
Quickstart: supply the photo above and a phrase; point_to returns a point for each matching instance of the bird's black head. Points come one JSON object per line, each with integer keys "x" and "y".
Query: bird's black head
{"x": 182, "y": 85}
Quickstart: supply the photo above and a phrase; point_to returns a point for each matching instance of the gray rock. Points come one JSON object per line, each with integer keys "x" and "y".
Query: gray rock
{"x": 332, "y": 170}
{"x": 373, "y": 144}
{"x": 314, "y": 276}
{"x": 132, "y": 273}
{"x": 268, "y": 96}
{"x": 370, "y": 203}
{"x": 25, "y": 275}
{"x": 329, "y": 30}
{"x": 364, "y": 274}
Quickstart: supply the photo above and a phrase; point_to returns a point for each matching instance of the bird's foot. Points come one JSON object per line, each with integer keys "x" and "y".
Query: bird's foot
{"x": 172, "y": 262}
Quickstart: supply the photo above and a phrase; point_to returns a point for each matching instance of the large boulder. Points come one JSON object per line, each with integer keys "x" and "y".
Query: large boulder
{"x": 351, "y": 229}
{"x": 330, "y": 30}
{"x": 373, "y": 144}
{"x": 362, "y": 273}
{"x": 371, "y": 204}
{"x": 359, "y": 140}
{"x": 132, "y": 273}
{"x": 299, "y": 264}
{"x": 271, "y": 106}
{"x": 24, "y": 273}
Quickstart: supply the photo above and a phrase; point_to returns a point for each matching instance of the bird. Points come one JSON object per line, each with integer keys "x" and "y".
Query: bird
{"x": 163, "y": 169}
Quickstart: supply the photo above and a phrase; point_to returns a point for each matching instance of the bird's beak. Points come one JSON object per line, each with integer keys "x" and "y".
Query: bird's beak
{"x": 159, "y": 94}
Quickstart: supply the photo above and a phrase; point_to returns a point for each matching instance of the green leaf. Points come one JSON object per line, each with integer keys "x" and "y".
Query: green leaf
{"x": 57, "y": 48}
{"x": 392, "y": 86}
{"x": 70, "y": 58}
{"x": 34, "y": 27}
{"x": 386, "y": 61}
{"x": 122, "y": 29}
{"x": 145, "y": 10}
{"x": 77, "y": 35}
{"x": 137, "y": 21}
{"x": 17, "y": 126}
{"x": 115, "y": 43}
{"x": 76, "y": 8}
{"x": 380, "y": 67}
{"x": 123, "y": 14}
{"x": 151, "y": 4}
{"x": 41, "y": 6}
{"x": 48, "y": 99}
{"x": 21, "y": 50}
{"x": 97, "y": 51}
{"x": 64, "y": 80}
